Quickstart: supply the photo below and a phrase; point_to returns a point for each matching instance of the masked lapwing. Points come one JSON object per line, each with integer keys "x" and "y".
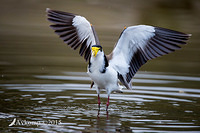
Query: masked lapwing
{"x": 136, "y": 45}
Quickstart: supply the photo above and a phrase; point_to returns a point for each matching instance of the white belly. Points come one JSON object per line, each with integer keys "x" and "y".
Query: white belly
{"x": 107, "y": 80}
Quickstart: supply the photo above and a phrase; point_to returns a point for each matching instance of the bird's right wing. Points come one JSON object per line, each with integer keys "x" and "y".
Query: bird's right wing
{"x": 74, "y": 30}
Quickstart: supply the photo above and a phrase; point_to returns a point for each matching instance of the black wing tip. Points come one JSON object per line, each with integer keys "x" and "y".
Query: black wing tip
{"x": 173, "y": 35}
{"x": 50, "y": 11}
{"x": 175, "y": 32}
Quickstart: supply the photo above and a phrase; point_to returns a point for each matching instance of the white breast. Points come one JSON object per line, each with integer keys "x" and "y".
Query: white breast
{"x": 104, "y": 80}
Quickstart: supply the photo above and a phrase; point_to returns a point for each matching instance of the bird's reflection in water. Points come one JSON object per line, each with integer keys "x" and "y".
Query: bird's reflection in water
{"x": 110, "y": 124}
{"x": 98, "y": 113}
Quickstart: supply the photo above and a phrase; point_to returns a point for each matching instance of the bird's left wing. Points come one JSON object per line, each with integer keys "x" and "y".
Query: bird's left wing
{"x": 74, "y": 30}
{"x": 138, "y": 44}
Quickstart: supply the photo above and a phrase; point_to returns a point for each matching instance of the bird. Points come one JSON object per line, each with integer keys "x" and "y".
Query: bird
{"x": 136, "y": 45}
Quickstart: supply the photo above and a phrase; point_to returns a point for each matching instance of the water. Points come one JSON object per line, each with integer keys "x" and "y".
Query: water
{"x": 44, "y": 87}
{"x": 150, "y": 107}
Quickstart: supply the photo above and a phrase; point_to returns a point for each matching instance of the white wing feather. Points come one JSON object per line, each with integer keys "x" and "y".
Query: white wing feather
{"x": 84, "y": 29}
{"x": 130, "y": 40}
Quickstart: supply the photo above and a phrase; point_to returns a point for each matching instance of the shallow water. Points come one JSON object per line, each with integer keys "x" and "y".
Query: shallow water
{"x": 154, "y": 106}
{"x": 44, "y": 86}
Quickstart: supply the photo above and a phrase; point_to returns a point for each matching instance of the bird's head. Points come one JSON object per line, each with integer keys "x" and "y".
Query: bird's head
{"x": 96, "y": 49}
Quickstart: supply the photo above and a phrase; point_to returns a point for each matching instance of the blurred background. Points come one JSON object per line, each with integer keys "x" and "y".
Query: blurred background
{"x": 28, "y": 46}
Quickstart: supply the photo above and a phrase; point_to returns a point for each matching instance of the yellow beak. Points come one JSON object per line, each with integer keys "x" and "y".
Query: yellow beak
{"x": 95, "y": 51}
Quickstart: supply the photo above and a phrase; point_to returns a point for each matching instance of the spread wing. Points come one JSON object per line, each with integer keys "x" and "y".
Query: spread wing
{"x": 138, "y": 44}
{"x": 74, "y": 30}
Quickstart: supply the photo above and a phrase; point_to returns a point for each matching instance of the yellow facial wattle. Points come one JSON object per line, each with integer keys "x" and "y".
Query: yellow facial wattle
{"x": 95, "y": 51}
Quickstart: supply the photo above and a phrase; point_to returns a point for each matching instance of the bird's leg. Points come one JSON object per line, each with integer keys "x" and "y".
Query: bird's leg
{"x": 98, "y": 92}
{"x": 99, "y": 101}
{"x": 107, "y": 104}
